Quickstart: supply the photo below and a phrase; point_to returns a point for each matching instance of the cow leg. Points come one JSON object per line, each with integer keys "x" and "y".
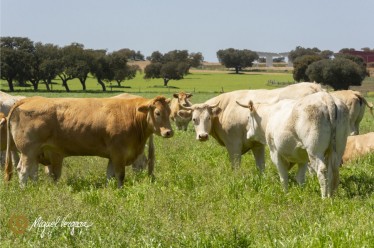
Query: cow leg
{"x": 109, "y": 170}
{"x": 2, "y": 161}
{"x": 118, "y": 165}
{"x": 259, "y": 154}
{"x": 235, "y": 153}
{"x": 300, "y": 176}
{"x": 56, "y": 166}
{"x": 140, "y": 163}
{"x": 27, "y": 166}
{"x": 178, "y": 124}
{"x": 15, "y": 156}
{"x": 322, "y": 173}
{"x": 282, "y": 167}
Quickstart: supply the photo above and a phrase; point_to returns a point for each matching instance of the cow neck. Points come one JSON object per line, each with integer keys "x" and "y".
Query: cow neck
{"x": 142, "y": 126}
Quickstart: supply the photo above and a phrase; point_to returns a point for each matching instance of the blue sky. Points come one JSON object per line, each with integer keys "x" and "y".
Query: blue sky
{"x": 197, "y": 25}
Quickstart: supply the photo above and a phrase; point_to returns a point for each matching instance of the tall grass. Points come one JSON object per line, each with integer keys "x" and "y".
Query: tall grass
{"x": 196, "y": 200}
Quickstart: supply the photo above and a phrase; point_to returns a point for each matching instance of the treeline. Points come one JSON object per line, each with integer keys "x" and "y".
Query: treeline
{"x": 23, "y": 60}
{"x": 338, "y": 70}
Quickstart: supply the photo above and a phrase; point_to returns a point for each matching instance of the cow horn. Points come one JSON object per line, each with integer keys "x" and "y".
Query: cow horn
{"x": 2, "y": 121}
{"x": 242, "y": 105}
{"x": 214, "y": 105}
{"x": 186, "y": 108}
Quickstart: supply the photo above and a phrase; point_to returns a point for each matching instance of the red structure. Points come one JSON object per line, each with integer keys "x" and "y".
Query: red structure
{"x": 367, "y": 56}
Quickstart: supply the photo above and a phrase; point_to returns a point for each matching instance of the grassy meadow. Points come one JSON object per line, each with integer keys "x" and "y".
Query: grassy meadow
{"x": 196, "y": 200}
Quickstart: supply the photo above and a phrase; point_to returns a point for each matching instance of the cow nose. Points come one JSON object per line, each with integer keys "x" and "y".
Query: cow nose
{"x": 168, "y": 134}
{"x": 203, "y": 136}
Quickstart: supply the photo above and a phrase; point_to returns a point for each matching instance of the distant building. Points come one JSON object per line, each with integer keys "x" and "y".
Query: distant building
{"x": 368, "y": 57}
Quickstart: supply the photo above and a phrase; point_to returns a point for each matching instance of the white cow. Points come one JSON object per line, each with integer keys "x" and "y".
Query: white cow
{"x": 221, "y": 118}
{"x": 313, "y": 128}
{"x": 356, "y": 104}
{"x": 6, "y": 103}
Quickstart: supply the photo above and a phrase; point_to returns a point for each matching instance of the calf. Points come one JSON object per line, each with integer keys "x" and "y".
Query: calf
{"x": 358, "y": 145}
{"x": 180, "y": 99}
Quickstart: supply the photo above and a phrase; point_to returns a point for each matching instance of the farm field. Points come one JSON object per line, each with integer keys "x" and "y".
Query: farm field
{"x": 196, "y": 200}
{"x": 194, "y": 82}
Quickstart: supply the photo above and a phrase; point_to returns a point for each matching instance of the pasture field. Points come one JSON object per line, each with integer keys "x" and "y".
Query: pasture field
{"x": 195, "y": 82}
{"x": 196, "y": 200}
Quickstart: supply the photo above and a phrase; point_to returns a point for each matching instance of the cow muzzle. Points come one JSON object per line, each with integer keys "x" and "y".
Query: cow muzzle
{"x": 202, "y": 137}
{"x": 167, "y": 133}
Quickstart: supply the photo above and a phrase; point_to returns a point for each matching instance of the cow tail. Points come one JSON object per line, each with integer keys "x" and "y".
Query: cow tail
{"x": 363, "y": 100}
{"x": 8, "y": 160}
{"x": 151, "y": 155}
{"x": 332, "y": 155}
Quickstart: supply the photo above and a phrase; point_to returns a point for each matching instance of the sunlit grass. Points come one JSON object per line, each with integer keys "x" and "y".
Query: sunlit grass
{"x": 196, "y": 200}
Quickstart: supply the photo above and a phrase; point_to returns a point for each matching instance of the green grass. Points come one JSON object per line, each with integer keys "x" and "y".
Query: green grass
{"x": 195, "y": 82}
{"x": 197, "y": 200}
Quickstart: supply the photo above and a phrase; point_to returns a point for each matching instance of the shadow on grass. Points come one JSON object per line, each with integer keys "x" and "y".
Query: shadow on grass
{"x": 64, "y": 91}
{"x": 358, "y": 186}
{"x": 163, "y": 87}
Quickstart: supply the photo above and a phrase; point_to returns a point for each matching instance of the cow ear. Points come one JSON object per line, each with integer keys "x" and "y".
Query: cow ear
{"x": 216, "y": 111}
{"x": 250, "y": 106}
{"x": 184, "y": 113}
{"x": 168, "y": 100}
{"x": 189, "y": 95}
{"x": 145, "y": 107}
{"x": 175, "y": 95}
{"x": 2, "y": 121}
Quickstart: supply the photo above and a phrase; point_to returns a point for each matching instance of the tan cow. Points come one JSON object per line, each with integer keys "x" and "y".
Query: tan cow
{"x": 180, "y": 98}
{"x": 142, "y": 161}
{"x": 111, "y": 128}
{"x": 356, "y": 103}
{"x": 358, "y": 145}
{"x": 313, "y": 128}
{"x": 223, "y": 119}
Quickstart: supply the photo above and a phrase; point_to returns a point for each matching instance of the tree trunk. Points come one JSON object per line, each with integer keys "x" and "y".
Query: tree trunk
{"x": 35, "y": 84}
{"x": 65, "y": 84}
{"x": 101, "y": 83}
{"x": 237, "y": 69}
{"x": 119, "y": 83}
{"x": 10, "y": 83}
{"x": 83, "y": 83}
{"x": 166, "y": 81}
{"x": 47, "y": 85}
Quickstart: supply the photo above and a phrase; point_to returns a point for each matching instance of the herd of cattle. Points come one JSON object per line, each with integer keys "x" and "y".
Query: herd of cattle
{"x": 301, "y": 124}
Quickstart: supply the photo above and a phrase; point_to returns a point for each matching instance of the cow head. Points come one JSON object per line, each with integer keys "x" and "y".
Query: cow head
{"x": 202, "y": 115}
{"x": 183, "y": 98}
{"x": 252, "y": 121}
{"x": 158, "y": 111}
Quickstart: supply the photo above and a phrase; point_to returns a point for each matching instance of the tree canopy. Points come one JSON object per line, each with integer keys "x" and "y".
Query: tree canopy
{"x": 173, "y": 65}
{"x": 339, "y": 73}
{"x": 238, "y": 59}
{"x": 23, "y": 60}
{"x": 300, "y": 65}
{"x": 301, "y": 51}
